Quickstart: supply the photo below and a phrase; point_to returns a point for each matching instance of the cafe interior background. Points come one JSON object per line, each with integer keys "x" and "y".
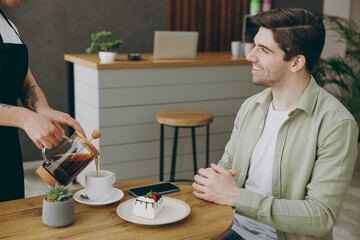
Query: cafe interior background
{"x": 53, "y": 28}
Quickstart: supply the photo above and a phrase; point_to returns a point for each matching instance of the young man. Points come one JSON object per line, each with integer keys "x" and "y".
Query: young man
{"x": 293, "y": 148}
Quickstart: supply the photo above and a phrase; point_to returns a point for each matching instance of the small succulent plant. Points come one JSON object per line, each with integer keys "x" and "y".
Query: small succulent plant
{"x": 58, "y": 193}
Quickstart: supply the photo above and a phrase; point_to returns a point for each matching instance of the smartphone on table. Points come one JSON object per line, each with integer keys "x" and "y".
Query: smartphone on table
{"x": 161, "y": 188}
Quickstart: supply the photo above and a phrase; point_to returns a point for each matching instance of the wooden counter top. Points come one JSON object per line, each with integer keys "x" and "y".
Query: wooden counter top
{"x": 122, "y": 62}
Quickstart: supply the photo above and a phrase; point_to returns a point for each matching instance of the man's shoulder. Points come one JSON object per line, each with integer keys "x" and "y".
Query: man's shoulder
{"x": 329, "y": 106}
{"x": 330, "y": 114}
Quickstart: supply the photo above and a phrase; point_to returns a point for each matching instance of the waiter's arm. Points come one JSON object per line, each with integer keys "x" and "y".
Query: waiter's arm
{"x": 40, "y": 122}
{"x": 42, "y": 131}
{"x": 34, "y": 99}
{"x": 32, "y": 96}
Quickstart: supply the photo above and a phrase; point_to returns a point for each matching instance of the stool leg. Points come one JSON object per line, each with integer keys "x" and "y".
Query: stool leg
{"x": 207, "y": 145}
{"x": 194, "y": 149}
{"x": 161, "y": 177}
{"x": 173, "y": 162}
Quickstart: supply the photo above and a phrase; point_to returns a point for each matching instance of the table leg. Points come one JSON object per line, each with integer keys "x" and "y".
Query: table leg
{"x": 194, "y": 149}
{"x": 173, "y": 162}
{"x": 207, "y": 144}
{"x": 161, "y": 177}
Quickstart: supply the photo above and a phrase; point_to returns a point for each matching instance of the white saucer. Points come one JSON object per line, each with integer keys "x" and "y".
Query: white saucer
{"x": 116, "y": 195}
{"x": 173, "y": 210}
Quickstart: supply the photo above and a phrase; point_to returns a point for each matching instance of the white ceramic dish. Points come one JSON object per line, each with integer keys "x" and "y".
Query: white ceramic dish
{"x": 173, "y": 210}
{"x": 116, "y": 195}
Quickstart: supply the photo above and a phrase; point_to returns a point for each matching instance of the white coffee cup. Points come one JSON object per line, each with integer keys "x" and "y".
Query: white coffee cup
{"x": 99, "y": 188}
{"x": 237, "y": 49}
{"x": 248, "y": 47}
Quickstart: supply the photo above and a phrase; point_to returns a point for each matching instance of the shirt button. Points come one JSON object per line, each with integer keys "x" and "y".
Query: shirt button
{"x": 249, "y": 150}
{"x": 260, "y": 126}
{"x": 242, "y": 174}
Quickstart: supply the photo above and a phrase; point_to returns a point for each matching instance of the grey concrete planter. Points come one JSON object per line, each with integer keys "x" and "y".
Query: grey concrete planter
{"x": 58, "y": 214}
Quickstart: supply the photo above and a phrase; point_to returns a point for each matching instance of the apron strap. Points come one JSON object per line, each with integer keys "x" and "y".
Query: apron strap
{"x": 1, "y": 40}
{"x": 7, "y": 20}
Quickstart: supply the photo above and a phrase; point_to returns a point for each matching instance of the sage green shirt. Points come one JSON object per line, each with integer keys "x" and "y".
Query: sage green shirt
{"x": 314, "y": 159}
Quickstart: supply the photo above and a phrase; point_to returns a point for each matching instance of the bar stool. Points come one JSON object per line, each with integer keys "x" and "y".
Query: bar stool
{"x": 182, "y": 119}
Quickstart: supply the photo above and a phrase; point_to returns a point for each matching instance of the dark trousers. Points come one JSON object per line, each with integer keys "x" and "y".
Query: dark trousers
{"x": 232, "y": 235}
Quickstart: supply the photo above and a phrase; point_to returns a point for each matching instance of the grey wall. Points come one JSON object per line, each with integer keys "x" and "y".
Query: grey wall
{"x": 51, "y": 28}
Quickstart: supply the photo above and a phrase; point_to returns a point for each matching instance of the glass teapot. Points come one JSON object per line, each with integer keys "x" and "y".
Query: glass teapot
{"x": 68, "y": 159}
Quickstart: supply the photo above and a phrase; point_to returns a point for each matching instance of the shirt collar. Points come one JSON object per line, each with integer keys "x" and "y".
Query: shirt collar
{"x": 264, "y": 99}
{"x": 307, "y": 102}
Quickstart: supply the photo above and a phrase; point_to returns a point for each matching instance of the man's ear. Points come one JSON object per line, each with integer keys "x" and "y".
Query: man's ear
{"x": 297, "y": 63}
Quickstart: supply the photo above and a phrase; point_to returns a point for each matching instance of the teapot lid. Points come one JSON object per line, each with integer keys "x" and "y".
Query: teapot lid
{"x": 88, "y": 144}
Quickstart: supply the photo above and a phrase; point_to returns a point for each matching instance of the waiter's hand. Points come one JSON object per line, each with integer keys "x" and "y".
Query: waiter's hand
{"x": 44, "y": 128}
{"x": 217, "y": 185}
{"x": 61, "y": 118}
{"x": 43, "y": 131}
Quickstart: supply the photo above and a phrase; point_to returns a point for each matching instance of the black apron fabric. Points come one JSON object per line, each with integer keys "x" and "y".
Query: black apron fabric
{"x": 13, "y": 70}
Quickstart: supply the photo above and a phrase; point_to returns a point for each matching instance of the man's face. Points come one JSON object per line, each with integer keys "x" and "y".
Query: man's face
{"x": 10, "y": 3}
{"x": 269, "y": 69}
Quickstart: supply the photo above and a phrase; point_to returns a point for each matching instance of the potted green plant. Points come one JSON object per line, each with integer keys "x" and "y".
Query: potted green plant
{"x": 344, "y": 72}
{"x": 58, "y": 207}
{"x": 103, "y": 47}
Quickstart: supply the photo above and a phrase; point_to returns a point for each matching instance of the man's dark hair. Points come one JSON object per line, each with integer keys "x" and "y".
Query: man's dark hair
{"x": 297, "y": 32}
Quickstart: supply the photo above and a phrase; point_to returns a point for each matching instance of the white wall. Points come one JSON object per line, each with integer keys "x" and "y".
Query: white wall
{"x": 354, "y": 11}
{"x": 339, "y": 8}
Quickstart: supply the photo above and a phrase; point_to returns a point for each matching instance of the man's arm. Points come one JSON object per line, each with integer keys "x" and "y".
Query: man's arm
{"x": 317, "y": 213}
{"x": 217, "y": 185}
{"x": 331, "y": 175}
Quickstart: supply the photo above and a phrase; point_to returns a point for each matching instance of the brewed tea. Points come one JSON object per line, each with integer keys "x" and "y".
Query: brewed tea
{"x": 66, "y": 167}
{"x": 97, "y": 166}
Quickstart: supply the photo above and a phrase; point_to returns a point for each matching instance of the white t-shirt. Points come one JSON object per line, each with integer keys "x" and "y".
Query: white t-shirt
{"x": 7, "y": 33}
{"x": 260, "y": 175}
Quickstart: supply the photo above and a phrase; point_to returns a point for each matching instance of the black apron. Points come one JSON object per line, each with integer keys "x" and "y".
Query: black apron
{"x": 13, "y": 70}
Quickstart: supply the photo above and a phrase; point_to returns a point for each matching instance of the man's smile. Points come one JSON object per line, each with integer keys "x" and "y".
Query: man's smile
{"x": 256, "y": 67}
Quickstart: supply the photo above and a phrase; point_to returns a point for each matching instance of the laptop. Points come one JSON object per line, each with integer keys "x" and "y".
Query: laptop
{"x": 175, "y": 45}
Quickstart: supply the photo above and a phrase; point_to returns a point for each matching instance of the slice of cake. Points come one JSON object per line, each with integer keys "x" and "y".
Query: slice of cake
{"x": 148, "y": 206}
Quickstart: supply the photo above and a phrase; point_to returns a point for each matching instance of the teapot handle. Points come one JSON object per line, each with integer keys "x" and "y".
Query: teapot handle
{"x": 44, "y": 149}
